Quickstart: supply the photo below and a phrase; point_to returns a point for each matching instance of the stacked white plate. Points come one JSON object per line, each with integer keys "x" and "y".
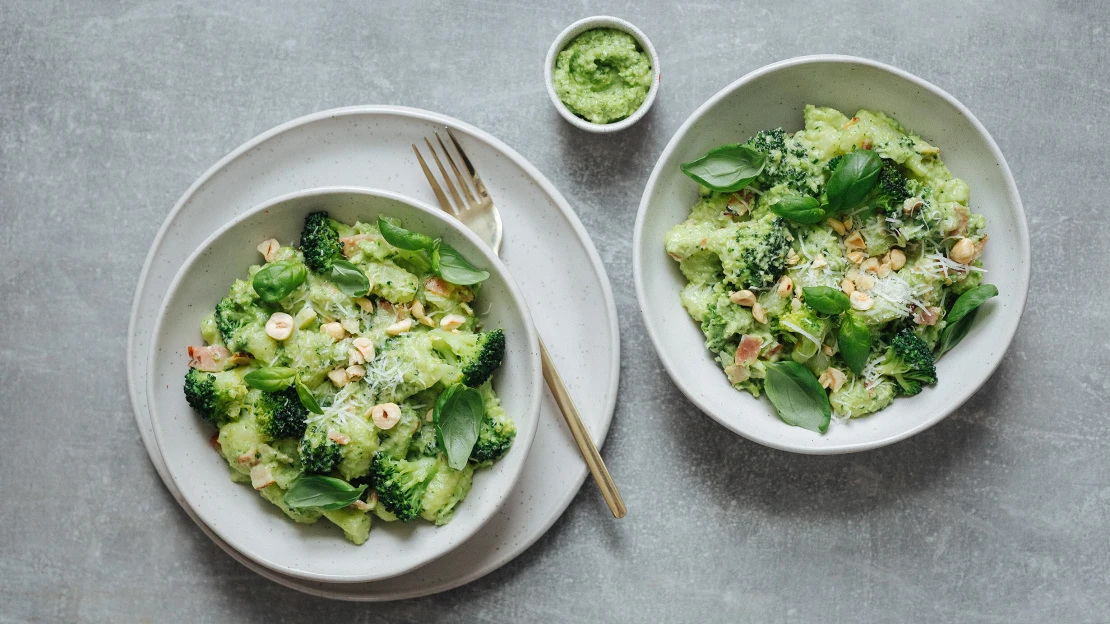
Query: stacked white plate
{"x": 559, "y": 272}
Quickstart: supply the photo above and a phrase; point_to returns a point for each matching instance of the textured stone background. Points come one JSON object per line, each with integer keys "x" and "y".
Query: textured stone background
{"x": 108, "y": 111}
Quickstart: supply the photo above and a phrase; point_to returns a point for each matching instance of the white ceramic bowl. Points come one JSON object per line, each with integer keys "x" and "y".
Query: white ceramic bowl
{"x": 774, "y": 96}
{"x": 579, "y": 27}
{"x": 237, "y": 513}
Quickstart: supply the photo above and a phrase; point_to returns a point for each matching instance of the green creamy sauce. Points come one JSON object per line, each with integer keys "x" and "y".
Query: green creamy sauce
{"x": 603, "y": 75}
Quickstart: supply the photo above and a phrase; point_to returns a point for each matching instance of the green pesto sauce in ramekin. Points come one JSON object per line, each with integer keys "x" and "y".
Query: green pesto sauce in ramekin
{"x": 602, "y": 75}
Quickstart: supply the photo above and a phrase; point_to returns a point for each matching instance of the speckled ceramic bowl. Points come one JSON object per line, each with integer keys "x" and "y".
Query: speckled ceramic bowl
{"x": 774, "y": 96}
{"x": 579, "y": 27}
{"x": 238, "y": 514}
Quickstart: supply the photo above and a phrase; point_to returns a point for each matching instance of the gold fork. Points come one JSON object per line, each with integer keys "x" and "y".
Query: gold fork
{"x": 477, "y": 212}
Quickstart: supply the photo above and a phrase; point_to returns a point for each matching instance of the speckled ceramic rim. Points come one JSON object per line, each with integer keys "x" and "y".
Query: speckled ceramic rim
{"x": 532, "y": 352}
{"x": 579, "y": 27}
{"x": 671, "y": 365}
{"x": 137, "y": 392}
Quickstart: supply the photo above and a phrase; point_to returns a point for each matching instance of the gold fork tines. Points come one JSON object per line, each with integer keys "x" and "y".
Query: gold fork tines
{"x": 470, "y": 201}
{"x": 478, "y": 186}
{"x": 466, "y": 197}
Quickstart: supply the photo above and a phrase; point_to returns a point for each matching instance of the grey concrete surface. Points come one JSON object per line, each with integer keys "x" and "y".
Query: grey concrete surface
{"x": 108, "y": 111}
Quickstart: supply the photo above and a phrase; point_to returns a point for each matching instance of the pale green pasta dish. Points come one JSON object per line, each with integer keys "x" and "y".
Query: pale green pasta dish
{"x": 830, "y": 268}
{"x": 349, "y": 377}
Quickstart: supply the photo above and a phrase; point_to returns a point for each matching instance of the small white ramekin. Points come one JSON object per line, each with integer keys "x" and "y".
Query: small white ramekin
{"x": 579, "y": 27}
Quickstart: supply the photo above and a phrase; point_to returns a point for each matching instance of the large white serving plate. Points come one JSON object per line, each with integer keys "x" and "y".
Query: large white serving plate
{"x": 546, "y": 249}
{"x": 775, "y": 96}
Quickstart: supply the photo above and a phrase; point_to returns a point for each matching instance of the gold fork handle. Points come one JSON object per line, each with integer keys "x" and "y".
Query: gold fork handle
{"x": 581, "y": 435}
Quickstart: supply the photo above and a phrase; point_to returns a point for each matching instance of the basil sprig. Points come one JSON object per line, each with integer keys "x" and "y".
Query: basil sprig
{"x": 271, "y": 378}
{"x": 727, "y": 168}
{"x": 458, "y": 416}
{"x": 278, "y": 378}
{"x": 799, "y": 208}
{"x": 853, "y": 340}
{"x": 798, "y": 396}
{"x": 453, "y": 267}
{"x": 962, "y": 315}
{"x": 401, "y": 238}
{"x": 320, "y": 492}
{"x": 826, "y": 300}
{"x": 306, "y": 398}
{"x": 349, "y": 279}
{"x": 444, "y": 259}
{"x": 854, "y": 177}
{"x": 971, "y": 300}
{"x": 277, "y": 280}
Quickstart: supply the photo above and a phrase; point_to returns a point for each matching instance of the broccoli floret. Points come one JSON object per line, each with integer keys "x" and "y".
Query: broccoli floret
{"x": 479, "y": 363}
{"x": 281, "y": 414}
{"x": 496, "y": 433}
{"x": 784, "y": 161}
{"x": 909, "y": 361}
{"x": 756, "y": 257}
{"x": 401, "y": 483}
{"x": 236, "y": 311}
{"x": 479, "y": 355}
{"x": 769, "y": 141}
{"x": 320, "y": 242}
{"x": 892, "y": 190}
{"x": 241, "y": 320}
{"x": 214, "y": 395}
{"x": 716, "y": 330}
{"x": 318, "y": 453}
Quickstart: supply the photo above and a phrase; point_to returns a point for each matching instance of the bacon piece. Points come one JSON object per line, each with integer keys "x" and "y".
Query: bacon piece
{"x": 211, "y": 359}
{"x": 438, "y": 286}
{"x": 443, "y": 288}
{"x": 748, "y": 351}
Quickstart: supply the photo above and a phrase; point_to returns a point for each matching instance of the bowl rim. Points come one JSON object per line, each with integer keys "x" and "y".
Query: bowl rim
{"x": 639, "y": 279}
{"x": 533, "y": 353}
{"x": 579, "y": 27}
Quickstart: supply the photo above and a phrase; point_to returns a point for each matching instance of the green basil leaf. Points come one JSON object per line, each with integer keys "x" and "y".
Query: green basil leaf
{"x": 458, "y": 416}
{"x": 270, "y": 379}
{"x": 853, "y": 339}
{"x": 953, "y": 333}
{"x": 307, "y": 400}
{"x": 852, "y": 180}
{"x": 451, "y": 266}
{"x": 727, "y": 168}
{"x": 826, "y": 300}
{"x": 970, "y": 300}
{"x": 276, "y": 280}
{"x": 319, "y": 492}
{"x": 401, "y": 238}
{"x": 799, "y": 208}
{"x": 798, "y": 396}
{"x": 349, "y": 279}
